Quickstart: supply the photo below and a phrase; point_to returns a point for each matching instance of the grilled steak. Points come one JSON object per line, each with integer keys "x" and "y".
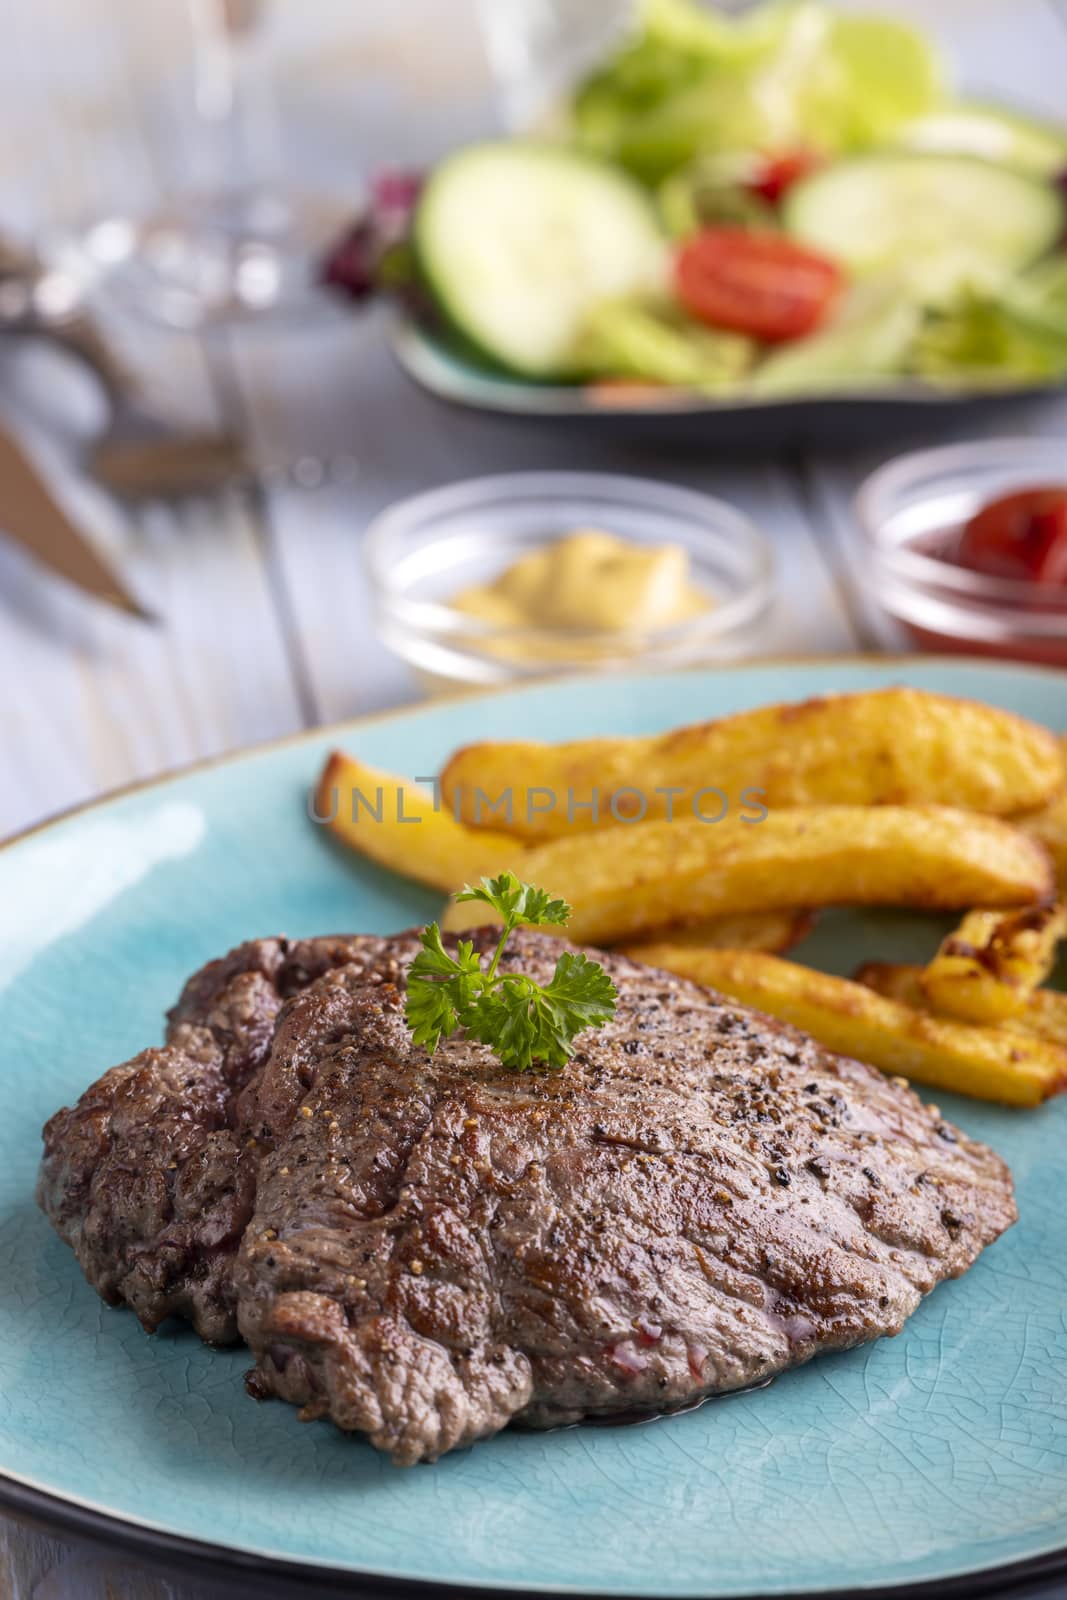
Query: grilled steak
{"x": 438, "y": 1247}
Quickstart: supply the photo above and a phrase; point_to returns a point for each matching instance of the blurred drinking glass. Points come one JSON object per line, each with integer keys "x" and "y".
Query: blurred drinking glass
{"x": 539, "y": 48}
{"x": 190, "y": 221}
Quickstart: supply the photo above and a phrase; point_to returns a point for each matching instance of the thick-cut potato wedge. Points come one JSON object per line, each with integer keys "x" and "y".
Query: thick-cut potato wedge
{"x": 774, "y": 931}
{"x": 896, "y": 980}
{"x": 1050, "y": 828}
{"x": 1044, "y": 1013}
{"x": 630, "y": 880}
{"x": 887, "y": 747}
{"x": 989, "y": 1063}
{"x": 986, "y": 969}
{"x": 427, "y": 845}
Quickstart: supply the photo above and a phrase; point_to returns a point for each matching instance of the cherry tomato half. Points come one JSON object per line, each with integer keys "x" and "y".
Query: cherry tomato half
{"x": 779, "y": 173}
{"x": 1021, "y": 536}
{"x": 756, "y": 283}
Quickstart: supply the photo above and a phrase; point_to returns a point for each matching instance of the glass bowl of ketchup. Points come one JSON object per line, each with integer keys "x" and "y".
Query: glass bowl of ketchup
{"x": 967, "y": 547}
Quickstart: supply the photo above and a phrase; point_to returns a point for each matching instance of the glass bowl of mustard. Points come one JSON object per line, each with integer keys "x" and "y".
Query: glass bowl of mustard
{"x": 534, "y": 574}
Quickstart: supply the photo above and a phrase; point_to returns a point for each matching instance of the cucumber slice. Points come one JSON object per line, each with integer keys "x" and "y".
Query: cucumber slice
{"x": 969, "y": 129}
{"x": 868, "y": 339}
{"x": 940, "y": 224}
{"x": 518, "y": 241}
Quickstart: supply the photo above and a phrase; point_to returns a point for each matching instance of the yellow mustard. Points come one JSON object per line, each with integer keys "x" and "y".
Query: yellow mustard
{"x": 589, "y": 582}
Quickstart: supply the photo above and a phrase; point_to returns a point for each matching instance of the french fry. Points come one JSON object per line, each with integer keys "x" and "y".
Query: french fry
{"x": 1049, "y": 827}
{"x": 777, "y": 931}
{"x": 851, "y": 1019}
{"x": 623, "y": 883}
{"x": 887, "y": 747}
{"x": 773, "y": 931}
{"x": 896, "y": 980}
{"x": 1044, "y": 1013}
{"x": 392, "y": 821}
{"x": 985, "y": 971}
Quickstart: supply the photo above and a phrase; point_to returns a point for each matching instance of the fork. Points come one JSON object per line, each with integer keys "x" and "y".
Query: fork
{"x": 141, "y": 454}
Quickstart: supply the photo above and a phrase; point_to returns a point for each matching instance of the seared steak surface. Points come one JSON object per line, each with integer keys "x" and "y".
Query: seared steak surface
{"x": 427, "y": 1249}
{"x": 149, "y": 1178}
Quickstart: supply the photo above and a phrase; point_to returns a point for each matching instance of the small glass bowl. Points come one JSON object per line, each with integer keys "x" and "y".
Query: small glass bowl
{"x": 422, "y": 552}
{"x": 912, "y": 512}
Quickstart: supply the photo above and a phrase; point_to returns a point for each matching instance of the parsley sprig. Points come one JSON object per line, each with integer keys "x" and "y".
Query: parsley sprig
{"x": 522, "y": 1021}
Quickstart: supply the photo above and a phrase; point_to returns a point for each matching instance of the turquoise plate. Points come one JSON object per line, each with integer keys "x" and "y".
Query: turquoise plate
{"x": 925, "y": 1461}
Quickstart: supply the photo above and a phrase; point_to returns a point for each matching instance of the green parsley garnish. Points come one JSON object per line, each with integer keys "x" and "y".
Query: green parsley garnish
{"x": 522, "y": 1021}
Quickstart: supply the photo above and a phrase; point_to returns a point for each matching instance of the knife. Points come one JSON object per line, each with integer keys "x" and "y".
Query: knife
{"x": 32, "y": 516}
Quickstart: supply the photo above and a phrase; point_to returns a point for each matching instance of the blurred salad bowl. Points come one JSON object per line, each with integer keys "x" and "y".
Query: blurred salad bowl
{"x": 736, "y": 212}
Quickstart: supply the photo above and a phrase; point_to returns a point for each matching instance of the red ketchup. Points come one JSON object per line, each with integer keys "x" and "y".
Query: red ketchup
{"x": 1019, "y": 538}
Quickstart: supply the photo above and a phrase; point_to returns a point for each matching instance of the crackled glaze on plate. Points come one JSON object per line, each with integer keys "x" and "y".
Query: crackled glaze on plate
{"x": 940, "y": 1452}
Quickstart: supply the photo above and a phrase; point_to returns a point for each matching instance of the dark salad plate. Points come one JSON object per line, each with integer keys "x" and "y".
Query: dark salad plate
{"x": 439, "y": 367}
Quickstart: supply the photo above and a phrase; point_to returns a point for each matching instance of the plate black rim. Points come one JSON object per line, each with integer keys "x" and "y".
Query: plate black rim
{"x": 281, "y": 1577}
{"x": 285, "y": 1579}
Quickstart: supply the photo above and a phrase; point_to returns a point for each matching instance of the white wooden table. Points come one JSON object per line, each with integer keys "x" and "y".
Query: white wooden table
{"x": 266, "y": 625}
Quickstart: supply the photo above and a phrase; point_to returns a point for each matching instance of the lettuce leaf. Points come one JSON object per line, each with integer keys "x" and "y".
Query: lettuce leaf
{"x": 710, "y": 191}
{"x": 788, "y": 74}
{"x": 868, "y": 340}
{"x": 986, "y": 343}
{"x": 658, "y": 343}
{"x": 875, "y": 74}
{"x": 1039, "y": 298}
